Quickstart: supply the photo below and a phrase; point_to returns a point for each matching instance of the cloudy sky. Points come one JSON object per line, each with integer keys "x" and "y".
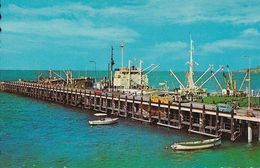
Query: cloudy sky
{"x": 67, "y": 34}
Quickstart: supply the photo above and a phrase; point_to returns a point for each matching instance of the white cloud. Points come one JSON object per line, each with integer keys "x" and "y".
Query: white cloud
{"x": 250, "y": 32}
{"x": 248, "y": 39}
{"x": 63, "y": 27}
{"x": 169, "y": 51}
{"x": 187, "y": 11}
{"x": 67, "y": 20}
{"x": 170, "y": 47}
{"x": 68, "y": 10}
{"x": 157, "y": 11}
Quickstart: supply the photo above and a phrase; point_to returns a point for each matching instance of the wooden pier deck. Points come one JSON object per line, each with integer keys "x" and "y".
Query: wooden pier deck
{"x": 193, "y": 117}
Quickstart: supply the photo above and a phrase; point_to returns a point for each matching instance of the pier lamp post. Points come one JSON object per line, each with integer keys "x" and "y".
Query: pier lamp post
{"x": 95, "y": 68}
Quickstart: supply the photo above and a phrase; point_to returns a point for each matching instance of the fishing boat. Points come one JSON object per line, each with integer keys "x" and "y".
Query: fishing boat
{"x": 204, "y": 144}
{"x": 103, "y": 120}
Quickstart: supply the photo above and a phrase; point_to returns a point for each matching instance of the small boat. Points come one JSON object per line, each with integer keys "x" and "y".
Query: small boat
{"x": 204, "y": 144}
{"x": 103, "y": 120}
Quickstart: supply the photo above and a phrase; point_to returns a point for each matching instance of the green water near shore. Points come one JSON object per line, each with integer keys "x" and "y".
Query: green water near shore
{"x": 39, "y": 134}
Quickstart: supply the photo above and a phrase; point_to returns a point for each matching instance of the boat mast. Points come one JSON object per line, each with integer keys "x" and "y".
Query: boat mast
{"x": 122, "y": 52}
{"x": 191, "y": 64}
{"x": 140, "y": 69}
{"x": 111, "y": 67}
{"x": 129, "y": 74}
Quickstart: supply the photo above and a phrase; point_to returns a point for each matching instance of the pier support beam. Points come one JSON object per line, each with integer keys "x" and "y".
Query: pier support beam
{"x": 113, "y": 104}
{"x": 202, "y": 119}
{"x": 150, "y": 110}
{"x": 107, "y": 104}
{"x": 141, "y": 108}
{"x": 217, "y": 123}
{"x": 232, "y": 125}
{"x": 258, "y": 131}
{"x": 249, "y": 132}
{"x": 180, "y": 115}
{"x": 190, "y": 127}
{"x": 133, "y": 106}
{"x": 125, "y": 107}
{"x": 168, "y": 112}
{"x": 159, "y": 111}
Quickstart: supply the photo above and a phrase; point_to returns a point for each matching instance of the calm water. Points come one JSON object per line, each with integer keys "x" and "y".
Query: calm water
{"x": 39, "y": 134}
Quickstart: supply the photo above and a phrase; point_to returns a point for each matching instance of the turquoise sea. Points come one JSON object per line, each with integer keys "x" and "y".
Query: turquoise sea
{"x": 34, "y": 133}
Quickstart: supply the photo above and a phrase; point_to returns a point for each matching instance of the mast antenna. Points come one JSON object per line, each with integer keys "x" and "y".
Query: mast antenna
{"x": 122, "y": 44}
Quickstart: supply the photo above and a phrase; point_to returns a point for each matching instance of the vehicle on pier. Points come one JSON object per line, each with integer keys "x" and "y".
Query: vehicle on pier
{"x": 223, "y": 107}
{"x": 204, "y": 144}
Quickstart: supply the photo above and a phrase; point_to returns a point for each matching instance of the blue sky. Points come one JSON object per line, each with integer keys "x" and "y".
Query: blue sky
{"x": 67, "y": 34}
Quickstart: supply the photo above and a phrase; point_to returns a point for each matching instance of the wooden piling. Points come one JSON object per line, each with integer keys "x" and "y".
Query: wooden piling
{"x": 119, "y": 104}
{"x": 202, "y": 124}
{"x": 150, "y": 109}
{"x": 180, "y": 115}
{"x": 168, "y": 112}
{"x": 125, "y": 108}
{"x": 217, "y": 123}
{"x": 133, "y": 106}
{"x": 190, "y": 126}
{"x": 159, "y": 111}
{"x": 113, "y": 104}
{"x": 106, "y": 104}
{"x": 89, "y": 100}
{"x": 232, "y": 125}
{"x": 141, "y": 109}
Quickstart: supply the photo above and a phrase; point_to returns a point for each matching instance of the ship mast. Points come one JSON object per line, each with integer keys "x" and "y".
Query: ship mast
{"x": 191, "y": 64}
{"x": 111, "y": 67}
{"x": 122, "y": 52}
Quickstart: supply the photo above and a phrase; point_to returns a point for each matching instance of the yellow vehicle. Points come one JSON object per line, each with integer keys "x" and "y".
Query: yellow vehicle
{"x": 163, "y": 99}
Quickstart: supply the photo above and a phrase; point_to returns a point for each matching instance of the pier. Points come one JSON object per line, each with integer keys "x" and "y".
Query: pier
{"x": 193, "y": 117}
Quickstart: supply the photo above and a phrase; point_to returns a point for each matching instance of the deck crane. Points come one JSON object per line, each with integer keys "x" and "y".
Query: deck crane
{"x": 244, "y": 79}
{"x": 192, "y": 89}
{"x": 220, "y": 68}
{"x": 210, "y": 68}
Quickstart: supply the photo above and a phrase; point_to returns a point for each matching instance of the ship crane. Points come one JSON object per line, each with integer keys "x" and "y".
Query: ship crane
{"x": 173, "y": 74}
{"x": 67, "y": 73}
{"x": 210, "y": 68}
{"x": 153, "y": 67}
{"x": 242, "y": 84}
{"x": 230, "y": 80}
{"x": 216, "y": 79}
{"x": 225, "y": 80}
{"x": 192, "y": 87}
{"x": 220, "y": 68}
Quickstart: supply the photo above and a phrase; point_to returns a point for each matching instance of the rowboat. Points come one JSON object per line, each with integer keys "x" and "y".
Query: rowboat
{"x": 103, "y": 120}
{"x": 204, "y": 144}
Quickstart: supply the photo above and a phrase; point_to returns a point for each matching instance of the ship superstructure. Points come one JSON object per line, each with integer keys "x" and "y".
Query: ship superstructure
{"x": 132, "y": 76}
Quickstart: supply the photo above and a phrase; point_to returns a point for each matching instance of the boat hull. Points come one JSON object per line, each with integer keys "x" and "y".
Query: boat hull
{"x": 197, "y": 145}
{"x": 105, "y": 121}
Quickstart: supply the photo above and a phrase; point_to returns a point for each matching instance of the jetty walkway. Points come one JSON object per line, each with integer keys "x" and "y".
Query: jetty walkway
{"x": 193, "y": 117}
